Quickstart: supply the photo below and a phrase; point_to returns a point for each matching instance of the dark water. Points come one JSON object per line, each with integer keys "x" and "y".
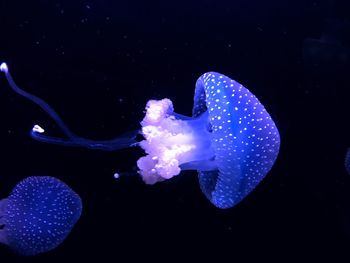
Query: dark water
{"x": 98, "y": 63}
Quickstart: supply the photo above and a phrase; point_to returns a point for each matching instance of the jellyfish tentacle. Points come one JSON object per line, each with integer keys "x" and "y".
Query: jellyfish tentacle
{"x": 231, "y": 140}
{"x": 38, "y": 101}
{"x": 181, "y": 117}
{"x": 37, "y": 133}
{"x": 173, "y": 144}
{"x": 202, "y": 165}
{"x": 121, "y": 142}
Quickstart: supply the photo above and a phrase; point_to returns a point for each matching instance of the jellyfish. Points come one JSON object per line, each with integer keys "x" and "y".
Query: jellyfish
{"x": 230, "y": 139}
{"x": 38, "y": 215}
{"x": 347, "y": 160}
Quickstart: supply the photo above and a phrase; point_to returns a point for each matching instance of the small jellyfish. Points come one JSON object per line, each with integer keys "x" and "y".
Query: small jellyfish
{"x": 347, "y": 161}
{"x": 331, "y": 49}
{"x": 231, "y": 140}
{"x": 38, "y": 215}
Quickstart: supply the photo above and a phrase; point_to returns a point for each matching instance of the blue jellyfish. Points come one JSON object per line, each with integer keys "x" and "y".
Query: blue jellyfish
{"x": 231, "y": 140}
{"x": 38, "y": 215}
{"x": 347, "y": 161}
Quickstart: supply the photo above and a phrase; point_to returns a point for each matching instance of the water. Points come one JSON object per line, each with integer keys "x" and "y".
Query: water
{"x": 99, "y": 62}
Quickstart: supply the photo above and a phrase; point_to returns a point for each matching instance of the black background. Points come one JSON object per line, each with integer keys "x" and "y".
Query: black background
{"x": 98, "y": 62}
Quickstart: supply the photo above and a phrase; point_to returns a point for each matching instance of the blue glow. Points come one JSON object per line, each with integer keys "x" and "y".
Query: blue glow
{"x": 38, "y": 215}
{"x": 231, "y": 140}
{"x": 71, "y": 139}
{"x": 245, "y": 139}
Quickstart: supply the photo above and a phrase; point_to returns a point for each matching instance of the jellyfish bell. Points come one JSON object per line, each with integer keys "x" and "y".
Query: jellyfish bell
{"x": 71, "y": 139}
{"x": 38, "y": 215}
{"x": 231, "y": 140}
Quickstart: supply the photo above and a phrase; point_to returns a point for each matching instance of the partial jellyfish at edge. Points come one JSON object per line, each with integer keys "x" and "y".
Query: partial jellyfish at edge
{"x": 231, "y": 140}
{"x": 347, "y": 161}
{"x": 38, "y": 215}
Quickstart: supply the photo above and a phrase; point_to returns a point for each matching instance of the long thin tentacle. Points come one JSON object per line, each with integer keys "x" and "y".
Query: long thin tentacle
{"x": 38, "y": 101}
{"x": 37, "y": 133}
